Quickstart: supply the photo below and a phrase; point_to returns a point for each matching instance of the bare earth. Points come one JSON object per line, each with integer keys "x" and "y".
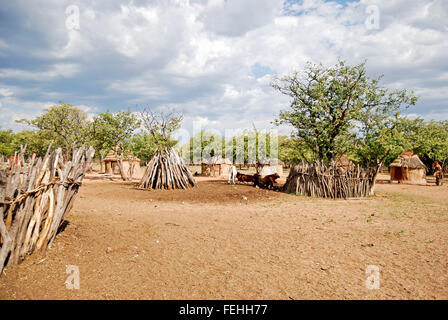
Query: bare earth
{"x": 211, "y": 243}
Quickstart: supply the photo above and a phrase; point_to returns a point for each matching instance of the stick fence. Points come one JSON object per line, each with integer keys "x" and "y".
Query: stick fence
{"x": 320, "y": 180}
{"x": 35, "y": 196}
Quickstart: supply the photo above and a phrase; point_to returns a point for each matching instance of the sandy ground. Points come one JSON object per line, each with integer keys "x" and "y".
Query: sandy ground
{"x": 219, "y": 241}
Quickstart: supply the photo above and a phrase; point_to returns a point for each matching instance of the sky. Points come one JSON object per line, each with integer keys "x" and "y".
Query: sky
{"x": 212, "y": 60}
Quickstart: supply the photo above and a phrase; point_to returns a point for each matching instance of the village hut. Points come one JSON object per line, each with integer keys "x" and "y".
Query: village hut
{"x": 167, "y": 170}
{"x": 408, "y": 168}
{"x": 112, "y": 163}
{"x": 265, "y": 167}
{"x": 216, "y": 167}
{"x": 344, "y": 162}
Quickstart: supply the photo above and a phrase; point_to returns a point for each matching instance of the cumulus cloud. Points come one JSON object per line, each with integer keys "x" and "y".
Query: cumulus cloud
{"x": 234, "y": 17}
{"x": 65, "y": 70}
{"x": 212, "y": 59}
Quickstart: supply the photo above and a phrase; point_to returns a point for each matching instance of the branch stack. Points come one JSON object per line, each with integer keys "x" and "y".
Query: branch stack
{"x": 167, "y": 170}
{"x": 35, "y": 196}
{"x": 330, "y": 181}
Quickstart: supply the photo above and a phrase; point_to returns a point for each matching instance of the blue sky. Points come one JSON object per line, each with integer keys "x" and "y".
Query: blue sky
{"x": 212, "y": 60}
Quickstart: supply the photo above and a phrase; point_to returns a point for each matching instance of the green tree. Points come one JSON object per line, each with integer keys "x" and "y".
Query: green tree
{"x": 36, "y": 141}
{"x": 111, "y": 130}
{"x": 380, "y": 139}
{"x": 238, "y": 148}
{"x": 293, "y": 150}
{"x": 430, "y": 140}
{"x": 67, "y": 125}
{"x": 143, "y": 146}
{"x": 6, "y": 138}
{"x": 329, "y": 102}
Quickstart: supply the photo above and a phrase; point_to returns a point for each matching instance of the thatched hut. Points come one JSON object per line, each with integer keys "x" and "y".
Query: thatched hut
{"x": 408, "y": 168}
{"x": 111, "y": 163}
{"x": 216, "y": 167}
{"x": 266, "y": 167}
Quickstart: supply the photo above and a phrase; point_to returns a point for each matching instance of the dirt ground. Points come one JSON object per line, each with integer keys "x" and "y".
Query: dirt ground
{"x": 220, "y": 241}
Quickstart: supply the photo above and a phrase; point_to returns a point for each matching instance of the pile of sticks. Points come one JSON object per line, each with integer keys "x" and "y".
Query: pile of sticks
{"x": 35, "y": 196}
{"x": 330, "y": 181}
{"x": 167, "y": 170}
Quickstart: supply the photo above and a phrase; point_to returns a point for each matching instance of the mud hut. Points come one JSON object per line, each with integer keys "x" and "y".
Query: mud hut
{"x": 111, "y": 163}
{"x": 343, "y": 162}
{"x": 216, "y": 167}
{"x": 265, "y": 167}
{"x": 408, "y": 168}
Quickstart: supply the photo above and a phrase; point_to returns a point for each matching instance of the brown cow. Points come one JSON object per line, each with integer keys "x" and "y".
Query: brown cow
{"x": 266, "y": 182}
{"x": 244, "y": 177}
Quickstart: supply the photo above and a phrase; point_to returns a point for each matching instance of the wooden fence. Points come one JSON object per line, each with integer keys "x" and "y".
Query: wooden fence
{"x": 35, "y": 196}
{"x": 329, "y": 181}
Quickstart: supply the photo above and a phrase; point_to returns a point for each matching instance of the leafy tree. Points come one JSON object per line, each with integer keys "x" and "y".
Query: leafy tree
{"x": 388, "y": 138}
{"x": 6, "y": 137}
{"x": 212, "y": 144}
{"x": 204, "y": 144}
{"x": 329, "y": 102}
{"x": 143, "y": 146}
{"x": 36, "y": 141}
{"x": 67, "y": 125}
{"x": 112, "y": 130}
{"x": 430, "y": 140}
{"x": 242, "y": 147}
{"x": 380, "y": 139}
{"x": 250, "y": 145}
{"x": 293, "y": 150}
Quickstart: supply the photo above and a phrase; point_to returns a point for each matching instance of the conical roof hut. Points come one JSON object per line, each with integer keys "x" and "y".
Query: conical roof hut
{"x": 167, "y": 170}
{"x": 408, "y": 168}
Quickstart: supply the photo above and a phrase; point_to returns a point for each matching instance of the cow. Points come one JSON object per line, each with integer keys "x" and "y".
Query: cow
{"x": 244, "y": 177}
{"x": 232, "y": 175}
{"x": 266, "y": 182}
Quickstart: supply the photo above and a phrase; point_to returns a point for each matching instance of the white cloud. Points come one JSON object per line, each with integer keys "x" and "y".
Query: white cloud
{"x": 13, "y": 109}
{"x": 235, "y": 17}
{"x": 6, "y": 92}
{"x": 197, "y": 55}
{"x": 60, "y": 70}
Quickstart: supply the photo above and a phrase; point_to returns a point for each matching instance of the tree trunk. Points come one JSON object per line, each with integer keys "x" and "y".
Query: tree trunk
{"x": 373, "y": 183}
{"x": 123, "y": 174}
{"x": 101, "y": 161}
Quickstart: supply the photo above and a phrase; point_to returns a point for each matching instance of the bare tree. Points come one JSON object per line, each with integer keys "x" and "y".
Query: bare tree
{"x": 161, "y": 125}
